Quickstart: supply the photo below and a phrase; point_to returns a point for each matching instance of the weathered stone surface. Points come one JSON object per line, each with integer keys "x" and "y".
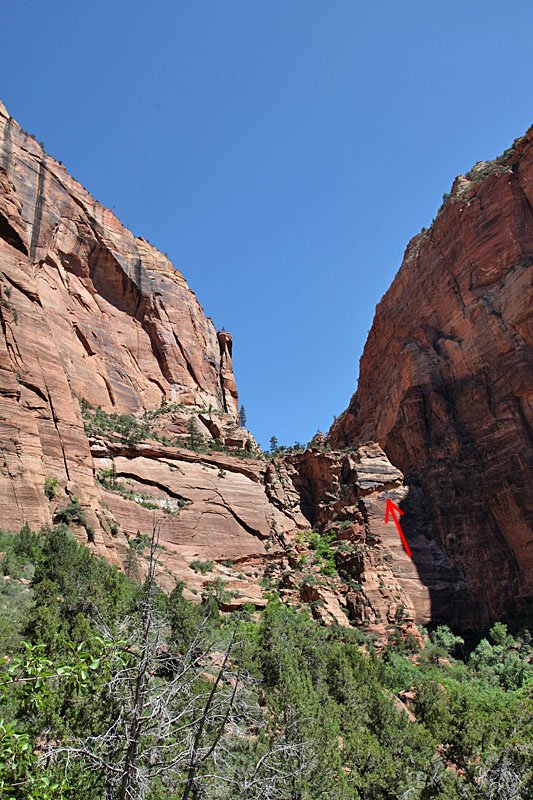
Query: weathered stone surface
{"x": 129, "y": 326}
{"x": 446, "y": 387}
{"x": 87, "y": 311}
{"x": 343, "y": 497}
{"x": 215, "y": 508}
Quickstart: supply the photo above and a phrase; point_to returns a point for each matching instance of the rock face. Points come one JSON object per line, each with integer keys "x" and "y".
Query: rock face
{"x": 446, "y": 387}
{"x": 257, "y": 525}
{"x": 342, "y": 497}
{"x": 87, "y": 311}
{"x": 119, "y": 413}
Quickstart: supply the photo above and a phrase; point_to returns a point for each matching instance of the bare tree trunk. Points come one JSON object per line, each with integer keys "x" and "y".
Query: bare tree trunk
{"x": 196, "y": 761}
{"x": 140, "y": 694}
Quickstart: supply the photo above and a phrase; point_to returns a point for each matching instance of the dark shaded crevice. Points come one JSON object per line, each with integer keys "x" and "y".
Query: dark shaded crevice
{"x": 109, "y": 390}
{"x": 56, "y": 426}
{"x": 457, "y": 290}
{"x": 38, "y": 212}
{"x": 32, "y": 296}
{"x": 505, "y": 326}
{"x": 7, "y": 153}
{"x": 239, "y": 520}
{"x": 437, "y": 337}
{"x": 148, "y": 482}
{"x": 3, "y": 326}
{"x": 10, "y": 235}
{"x": 361, "y": 507}
{"x": 11, "y": 342}
{"x": 157, "y": 383}
{"x": 188, "y": 364}
{"x": 137, "y": 271}
{"x": 35, "y": 389}
{"x": 523, "y": 418}
{"x": 84, "y": 342}
{"x": 149, "y": 326}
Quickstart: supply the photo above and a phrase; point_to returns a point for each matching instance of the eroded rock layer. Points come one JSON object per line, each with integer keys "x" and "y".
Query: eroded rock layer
{"x": 308, "y": 526}
{"x": 446, "y": 387}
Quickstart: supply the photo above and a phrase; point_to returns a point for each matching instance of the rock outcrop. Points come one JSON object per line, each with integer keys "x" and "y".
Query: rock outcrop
{"x": 446, "y": 387}
{"x": 342, "y": 498}
{"x": 309, "y": 526}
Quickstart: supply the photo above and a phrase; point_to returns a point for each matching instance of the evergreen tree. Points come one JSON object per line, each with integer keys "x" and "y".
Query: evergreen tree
{"x": 196, "y": 440}
{"x": 242, "y": 417}
{"x": 121, "y": 692}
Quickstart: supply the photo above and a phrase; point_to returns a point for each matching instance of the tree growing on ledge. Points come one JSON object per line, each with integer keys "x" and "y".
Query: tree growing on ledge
{"x": 196, "y": 440}
{"x": 242, "y": 417}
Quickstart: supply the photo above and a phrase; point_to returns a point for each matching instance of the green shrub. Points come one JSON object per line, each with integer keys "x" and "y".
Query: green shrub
{"x": 201, "y": 566}
{"x": 98, "y": 422}
{"x": 50, "y": 487}
{"x": 73, "y": 512}
{"x": 324, "y": 554}
{"x": 295, "y": 683}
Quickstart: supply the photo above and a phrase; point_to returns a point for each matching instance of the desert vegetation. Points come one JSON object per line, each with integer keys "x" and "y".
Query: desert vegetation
{"x": 111, "y": 688}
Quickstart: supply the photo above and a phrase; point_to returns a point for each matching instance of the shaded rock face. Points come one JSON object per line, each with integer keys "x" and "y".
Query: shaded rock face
{"x": 343, "y": 496}
{"x": 446, "y": 387}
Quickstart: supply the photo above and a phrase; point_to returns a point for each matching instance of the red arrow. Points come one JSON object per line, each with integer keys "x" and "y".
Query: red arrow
{"x": 390, "y": 508}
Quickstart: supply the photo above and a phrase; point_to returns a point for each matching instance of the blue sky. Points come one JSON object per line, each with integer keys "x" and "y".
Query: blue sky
{"x": 281, "y": 152}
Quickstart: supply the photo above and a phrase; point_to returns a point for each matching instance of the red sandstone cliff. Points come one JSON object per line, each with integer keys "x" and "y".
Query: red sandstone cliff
{"x": 92, "y": 316}
{"x": 446, "y": 387}
{"x": 95, "y": 318}
{"x": 87, "y": 311}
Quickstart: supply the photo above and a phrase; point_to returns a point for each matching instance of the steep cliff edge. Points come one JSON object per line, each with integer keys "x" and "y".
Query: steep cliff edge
{"x": 87, "y": 311}
{"x": 446, "y": 387}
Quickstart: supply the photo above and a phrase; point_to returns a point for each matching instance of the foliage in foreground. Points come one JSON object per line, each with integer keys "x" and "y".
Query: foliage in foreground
{"x": 111, "y": 690}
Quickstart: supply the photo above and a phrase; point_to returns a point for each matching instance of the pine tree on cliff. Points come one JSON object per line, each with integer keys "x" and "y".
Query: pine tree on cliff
{"x": 242, "y": 417}
{"x": 196, "y": 440}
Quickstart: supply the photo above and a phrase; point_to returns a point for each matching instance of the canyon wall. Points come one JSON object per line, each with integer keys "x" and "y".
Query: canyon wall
{"x": 119, "y": 417}
{"x": 88, "y": 311}
{"x": 119, "y": 413}
{"x": 446, "y": 387}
